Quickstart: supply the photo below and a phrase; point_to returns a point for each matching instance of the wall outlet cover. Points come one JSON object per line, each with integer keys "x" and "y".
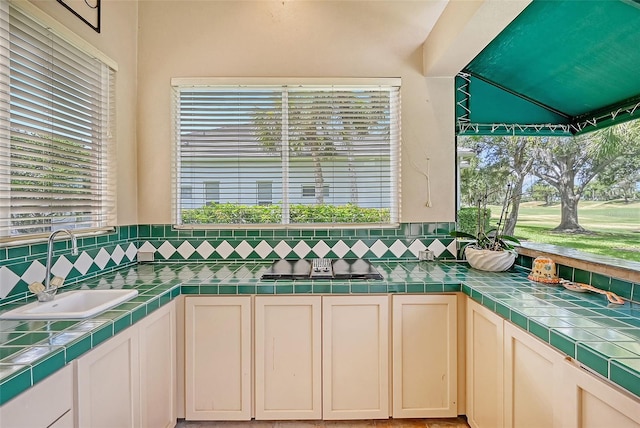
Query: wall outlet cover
{"x": 145, "y": 256}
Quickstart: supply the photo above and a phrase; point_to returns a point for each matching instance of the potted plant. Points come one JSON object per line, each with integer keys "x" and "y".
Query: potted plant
{"x": 489, "y": 249}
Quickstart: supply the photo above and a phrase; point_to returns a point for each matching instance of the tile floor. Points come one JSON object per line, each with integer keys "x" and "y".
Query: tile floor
{"x": 459, "y": 422}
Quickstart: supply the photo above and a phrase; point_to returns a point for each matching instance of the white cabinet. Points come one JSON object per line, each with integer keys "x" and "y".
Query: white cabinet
{"x": 65, "y": 421}
{"x": 47, "y": 404}
{"x": 512, "y": 377}
{"x": 424, "y": 356}
{"x": 130, "y": 380}
{"x": 288, "y": 370}
{"x": 108, "y": 383}
{"x": 355, "y": 357}
{"x": 158, "y": 368}
{"x": 319, "y": 357}
{"x": 127, "y": 381}
{"x": 218, "y": 358}
{"x": 532, "y": 381}
{"x": 515, "y": 380}
{"x": 589, "y": 402}
{"x": 485, "y": 368}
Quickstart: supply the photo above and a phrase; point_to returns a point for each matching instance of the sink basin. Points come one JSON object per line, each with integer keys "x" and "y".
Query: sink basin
{"x": 77, "y": 304}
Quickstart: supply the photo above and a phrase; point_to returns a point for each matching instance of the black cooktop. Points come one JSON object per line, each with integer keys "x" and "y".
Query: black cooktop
{"x": 322, "y": 269}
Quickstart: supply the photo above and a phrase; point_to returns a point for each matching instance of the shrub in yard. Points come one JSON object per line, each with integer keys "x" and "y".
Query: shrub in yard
{"x": 229, "y": 213}
{"x": 468, "y": 219}
{"x": 232, "y": 214}
{"x": 348, "y": 213}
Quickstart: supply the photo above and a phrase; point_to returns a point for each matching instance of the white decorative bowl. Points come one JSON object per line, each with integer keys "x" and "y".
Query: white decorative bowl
{"x": 490, "y": 261}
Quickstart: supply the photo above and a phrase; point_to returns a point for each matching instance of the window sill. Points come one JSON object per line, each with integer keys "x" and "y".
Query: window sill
{"x": 300, "y": 226}
{"x": 610, "y": 266}
{"x": 37, "y": 239}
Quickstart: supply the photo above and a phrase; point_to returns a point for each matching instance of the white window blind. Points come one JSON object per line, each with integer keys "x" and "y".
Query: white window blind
{"x": 339, "y": 143}
{"x": 56, "y": 120}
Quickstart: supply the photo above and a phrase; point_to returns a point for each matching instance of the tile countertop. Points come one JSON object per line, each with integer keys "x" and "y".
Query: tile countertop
{"x": 603, "y": 337}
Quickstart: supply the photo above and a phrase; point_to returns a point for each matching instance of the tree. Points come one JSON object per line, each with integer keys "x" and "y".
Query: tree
{"x": 624, "y": 175}
{"x": 324, "y": 125}
{"x": 46, "y": 173}
{"x": 543, "y": 192}
{"x": 569, "y": 164}
{"x": 506, "y": 159}
{"x": 311, "y": 140}
{"x": 476, "y": 179}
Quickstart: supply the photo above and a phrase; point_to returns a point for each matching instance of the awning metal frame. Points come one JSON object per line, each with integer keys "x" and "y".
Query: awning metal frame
{"x": 626, "y": 110}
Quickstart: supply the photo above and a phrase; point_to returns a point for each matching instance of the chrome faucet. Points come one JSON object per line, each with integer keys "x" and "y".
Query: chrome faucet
{"x": 49, "y": 290}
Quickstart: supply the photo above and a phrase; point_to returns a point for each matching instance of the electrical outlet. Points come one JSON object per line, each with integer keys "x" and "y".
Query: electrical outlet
{"x": 145, "y": 256}
{"x": 426, "y": 255}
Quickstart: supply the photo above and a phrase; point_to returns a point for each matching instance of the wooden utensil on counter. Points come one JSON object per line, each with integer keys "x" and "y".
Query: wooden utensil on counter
{"x": 577, "y": 286}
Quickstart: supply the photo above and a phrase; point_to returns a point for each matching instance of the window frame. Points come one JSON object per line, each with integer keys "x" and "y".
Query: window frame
{"x": 37, "y": 22}
{"x": 394, "y": 178}
{"x": 309, "y": 190}
{"x": 262, "y": 190}
{"x": 211, "y": 191}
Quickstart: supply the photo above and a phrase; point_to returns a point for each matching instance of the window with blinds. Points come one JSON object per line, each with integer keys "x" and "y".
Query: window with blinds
{"x": 56, "y": 119}
{"x": 287, "y": 154}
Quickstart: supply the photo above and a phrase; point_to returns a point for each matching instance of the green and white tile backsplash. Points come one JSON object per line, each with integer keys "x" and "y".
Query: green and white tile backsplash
{"x": 24, "y": 264}
{"x": 21, "y": 265}
{"x": 403, "y": 242}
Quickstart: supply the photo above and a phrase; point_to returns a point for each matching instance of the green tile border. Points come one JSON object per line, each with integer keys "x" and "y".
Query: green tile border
{"x": 78, "y": 347}
{"x": 593, "y": 359}
{"x": 626, "y": 376}
{"x": 14, "y": 384}
{"x": 102, "y": 333}
{"x": 193, "y": 289}
{"x": 49, "y": 365}
{"x": 563, "y": 343}
{"x": 519, "y": 319}
{"x": 302, "y": 288}
{"x": 539, "y": 330}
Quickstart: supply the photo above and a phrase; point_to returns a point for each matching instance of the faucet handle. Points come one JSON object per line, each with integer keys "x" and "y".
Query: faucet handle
{"x": 36, "y": 287}
{"x": 56, "y": 282}
{"x": 41, "y": 293}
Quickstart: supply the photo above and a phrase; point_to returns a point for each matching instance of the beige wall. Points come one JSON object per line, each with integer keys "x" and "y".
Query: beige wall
{"x": 153, "y": 41}
{"x": 296, "y": 39}
{"x": 118, "y": 40}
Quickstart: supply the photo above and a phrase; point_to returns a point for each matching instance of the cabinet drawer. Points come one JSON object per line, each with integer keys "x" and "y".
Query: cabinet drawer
{"x": 43, "y": 404}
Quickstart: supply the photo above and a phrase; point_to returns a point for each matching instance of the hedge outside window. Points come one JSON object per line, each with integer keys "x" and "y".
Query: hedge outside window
{"x": 287, "y": 154}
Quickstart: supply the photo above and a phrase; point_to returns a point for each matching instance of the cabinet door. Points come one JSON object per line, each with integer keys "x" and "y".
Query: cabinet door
{"x": 288, "y": 357}
{"x": 65, "y": 421}
{"x": 590, "y": 402}
{"x": 45, "y": 403}
{"x": 424, "y": 356}
{"x": 158, "y": 368}
{"x": 485, "y": 393}
{"x": 218, "y": 358}
{"x": 108, "y": 383}
{"x": 355, "y": 357}
{"x": 532, "y": 380}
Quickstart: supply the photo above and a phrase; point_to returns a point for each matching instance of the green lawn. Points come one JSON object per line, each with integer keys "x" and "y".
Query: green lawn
{"x": 615, "y": 227}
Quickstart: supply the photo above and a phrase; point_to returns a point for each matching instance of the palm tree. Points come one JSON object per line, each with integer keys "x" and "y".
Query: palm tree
{"x": 322, "y": 125}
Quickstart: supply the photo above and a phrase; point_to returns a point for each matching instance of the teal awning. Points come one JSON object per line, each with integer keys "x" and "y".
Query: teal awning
{"x": 562, "y": 67}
